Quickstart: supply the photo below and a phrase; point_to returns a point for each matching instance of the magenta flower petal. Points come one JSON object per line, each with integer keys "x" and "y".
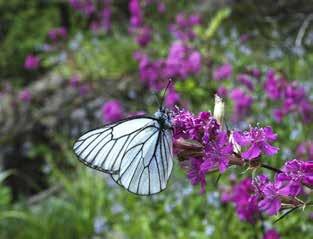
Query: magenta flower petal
{"x": 270, "y": 206}
{"x": 31, "y": 62}
{"x": 258, "y": 140}
{"x": 112, "y": 111}
{"x": 271, "y": 234}
{"x": 241, "y": 139}
{"x": 269, "y": 149}
{"x": 172, "y": 98}
{"x": 269, "y": 133}
{"x": 252, "y": 153}
{"x": 223, "y": 72}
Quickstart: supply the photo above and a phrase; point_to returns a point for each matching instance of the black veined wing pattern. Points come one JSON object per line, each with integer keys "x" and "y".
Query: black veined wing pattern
{"x": 137, "y": 152}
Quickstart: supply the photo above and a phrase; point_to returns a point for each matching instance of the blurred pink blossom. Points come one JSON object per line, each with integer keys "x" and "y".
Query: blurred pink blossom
{"x": 222, "y": 72}
{"x": 31, "y": 62}
{"x": 112, "y": 111}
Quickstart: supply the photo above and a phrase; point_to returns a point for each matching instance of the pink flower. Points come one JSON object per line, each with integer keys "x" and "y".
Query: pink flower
{"x": 194, "y": 62}
{"x": 217, "y": 154}
{"x": 305, "y": 151}
{"x": 242, "y": 103}
{"x": 279, "y": 114}
{"x": 112, "y": 111}
{"x": 143, "y": 36}
{"x": 195, "y": 175}
{"x": 258, "y": 141}
{"x": 294, "y": 173}
{"x": 84, "y": 89}
{"x": 274, "y": 85}
{"x": 242, "y": 196}
{"x": 246, "y": 81}
{"x": 182, "y": 29}
{"x": 85, "y": 7}
{"x": 172, "y": 98}
{"x": 271, "y": 234}
{"x": 202, "y": 127}
{"x": 222, "y": 72}
{"x": 136, "y": 18}
{"x": 31, "y": 62}
{"x": 271, "y": 203}
{"x": 255, "y": 72}
{"x": 245, "y": 37}
{"x": 56, "y": 34}
{"x": 75, "y": 81}
{"x": 161, "y": 7}
{"x": 181, "y": 62}
{"x": 306, "y": 110}
{"x": 25, "y": 96}
{"x": 222, "y": 92}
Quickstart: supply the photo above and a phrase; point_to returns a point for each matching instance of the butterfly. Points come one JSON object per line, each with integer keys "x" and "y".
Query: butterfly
{"x": 136, "y": 151}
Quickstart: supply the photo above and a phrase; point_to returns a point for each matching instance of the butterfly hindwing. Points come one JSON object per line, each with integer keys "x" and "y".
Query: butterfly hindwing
{"x": 150, "y": 170}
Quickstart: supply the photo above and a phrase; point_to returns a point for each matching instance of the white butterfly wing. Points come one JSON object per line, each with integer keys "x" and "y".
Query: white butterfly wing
{"x": 136, "y": 152}
{"x": 151, "y": 166}
{"x": 103, "y": 148}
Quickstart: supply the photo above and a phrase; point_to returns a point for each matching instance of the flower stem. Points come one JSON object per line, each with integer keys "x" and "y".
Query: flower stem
{"x": 271, "y": 168}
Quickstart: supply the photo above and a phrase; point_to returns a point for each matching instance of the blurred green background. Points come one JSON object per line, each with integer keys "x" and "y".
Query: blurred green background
{"x": 46, "y": 193}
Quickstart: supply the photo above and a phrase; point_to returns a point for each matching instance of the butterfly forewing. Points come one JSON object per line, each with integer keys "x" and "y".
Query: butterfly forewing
{"x": 137, "y": 152}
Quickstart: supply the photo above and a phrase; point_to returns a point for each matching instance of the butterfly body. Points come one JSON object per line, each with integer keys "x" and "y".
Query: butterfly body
{"x": 164, "y": 118}
{"x": 136, "y": 151}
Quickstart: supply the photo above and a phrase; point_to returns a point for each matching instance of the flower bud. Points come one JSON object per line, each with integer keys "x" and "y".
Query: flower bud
{"x": 188, "y": 148}
{"x": 219, "y": 110}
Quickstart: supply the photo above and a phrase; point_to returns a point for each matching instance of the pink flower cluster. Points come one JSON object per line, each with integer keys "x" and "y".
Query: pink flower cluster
{"x": 180, "y": 63}
{"x": 182, "y": 29}
{"x": 241, "y": 96}
{"x": 245, "y": 79}
{"x": 172, "y": 98}
{"x": 25, "y": 96}
{"x": 136, "y": 9}
{"x": 201, "y": 141}
{"x": 252, "y": 197}
{"x": 216, "y": 149}
{"x": 305, "y": 151}
{"x": 242, "y": 196}
{"x": 223, "y": 72}
{"x": 86, "y": 7}
{"x": 257, "y": 141}
{"x": 242, "y": 103}
{"x": 100, "y": 10}
{"x": 271, "y": 234}
{"x": 31, "y": 62}
{"x": 81, "y": 87}
{"x": 112, "y": 111}
{"x": 141, "y": 31}
{"x": 57, "y": 34}
{"x": 291, "y": 97}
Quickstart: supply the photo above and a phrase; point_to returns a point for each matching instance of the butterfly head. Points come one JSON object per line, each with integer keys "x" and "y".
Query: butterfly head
{"x": 164, "y": 117}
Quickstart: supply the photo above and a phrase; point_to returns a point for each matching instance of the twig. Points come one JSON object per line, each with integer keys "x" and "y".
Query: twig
{"x": 43, "y": 195}
{"x": 302, "y": 30}
{"x": 285, "y": 214}
{"x": 271, "y": 168}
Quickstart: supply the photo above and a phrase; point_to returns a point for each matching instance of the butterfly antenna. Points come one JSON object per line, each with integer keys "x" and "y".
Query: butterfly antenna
{"x": 164, "y": 93}
{"x": 156, "y": 98}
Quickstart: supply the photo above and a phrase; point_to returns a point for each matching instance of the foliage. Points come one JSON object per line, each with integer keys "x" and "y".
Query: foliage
{"x": 19, "y": 19}
{"x": 122, "y": 60}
